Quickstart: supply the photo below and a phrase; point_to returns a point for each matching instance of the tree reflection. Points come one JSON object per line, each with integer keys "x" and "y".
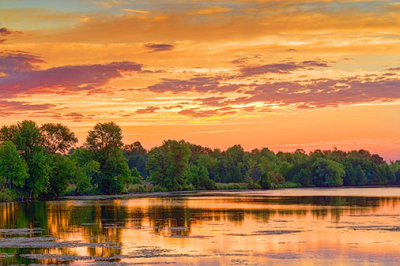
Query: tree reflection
{"x": 106, "y": 221}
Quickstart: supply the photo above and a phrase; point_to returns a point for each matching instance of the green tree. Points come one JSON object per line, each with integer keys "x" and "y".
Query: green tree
{"x": 26, "y": 137}
{"x": 13, "y": 169}
{"x": 86, "y": 169}
{"x": 104, "y": 138}
{"x": 327, "y": 173}
{"x": 105, "y": 141}
{"x": 168, "y": 164}
{"x": 57, "y": 138}
{"x": 199, "y": 178}
{"x": 114, "y": 174}
{"x": 63, "y": 171}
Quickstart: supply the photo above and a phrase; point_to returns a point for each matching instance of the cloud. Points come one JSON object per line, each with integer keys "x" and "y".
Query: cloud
{"x": 23, "y": 76}
{"x": 211, "y": 10}
{"x": 5, "y": 31}
{"x": 199, "y": 84}
{"x": 301, "y": 94}
{"x": 159, "y": 47}
{"x": 147, "y": 110}
{"x": 394, "y": 69}
{"x": 281, "y": 68}
{"x": 11, "y": 107}
{"x": 135, "y": 11}
{"x": 326, "y": 92}
{"x": 212, "y": 101}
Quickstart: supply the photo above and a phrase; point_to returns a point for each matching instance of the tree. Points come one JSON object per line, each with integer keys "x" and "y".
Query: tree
{"x": 303, "y": 177}
{"x": 39, "y": 174}
{"x": 114, "y": 174}
{"x": 137, "y": 157}
{"x": 25, "y": 135}
{"x": 168, "y": 164}
{"x": 199, "y": 178}
{"x": 105, "y": 141}
{"x": 63, "y": 171}
{"x": 86, "y": 169}
{"x": 13, "y": 169}
{"x": 27, "y": 139}
{"x": 57, "y": 138}
{"x": 104, "y": 138}
{"x": 327, "y": 173}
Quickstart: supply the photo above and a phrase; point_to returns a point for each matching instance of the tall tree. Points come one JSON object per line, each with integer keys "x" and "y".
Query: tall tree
{"x": 168, "y": 164}
{"x": 104, "y": 138}
{"x": 13, "y": 169}
{"x": 105, "y": 141}
{"x": 26, "y": 137}
{"x": 57, "y": 138}
{"x": 327, "y": 173}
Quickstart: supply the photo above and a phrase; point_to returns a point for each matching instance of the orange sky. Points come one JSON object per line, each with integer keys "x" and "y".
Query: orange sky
{"x": 282, "y": 74}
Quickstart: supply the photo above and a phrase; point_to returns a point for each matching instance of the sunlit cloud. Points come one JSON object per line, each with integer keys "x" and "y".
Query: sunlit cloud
{"x": 229, "y": 64}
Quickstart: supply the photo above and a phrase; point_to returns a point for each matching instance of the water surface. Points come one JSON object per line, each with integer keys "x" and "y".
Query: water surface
{"x": 290, "y": 226}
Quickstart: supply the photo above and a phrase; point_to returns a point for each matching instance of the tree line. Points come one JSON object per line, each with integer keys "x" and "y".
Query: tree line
{"x": 42, "y": 161}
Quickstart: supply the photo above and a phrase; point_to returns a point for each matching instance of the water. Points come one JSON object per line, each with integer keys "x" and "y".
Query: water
{"x": 291, "y": 226}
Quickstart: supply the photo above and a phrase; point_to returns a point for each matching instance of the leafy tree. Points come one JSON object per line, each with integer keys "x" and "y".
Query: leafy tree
{"x": 63, "y": 171}
{"x": 114, "y": 174}
{"x": 86, "y": 169}
{"x": 26, "y": 137}
{"x": 13, "y": 169}
{"x": 104, "y": 138}
{"x": 265, "y": 181}
{"x": 57, "y": 138}
{"x": 105, "y": 141}
{"x": 199, "y": 178}
{"x": 137, "y": 157}
{"x": 327, "y": 173}
{"x": 39, "y": 174}
{"x": 168, "y": 164}
{"x": 303, "y": 177}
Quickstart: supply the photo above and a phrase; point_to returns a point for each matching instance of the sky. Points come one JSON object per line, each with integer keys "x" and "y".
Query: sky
{"x": 261, "y": 73}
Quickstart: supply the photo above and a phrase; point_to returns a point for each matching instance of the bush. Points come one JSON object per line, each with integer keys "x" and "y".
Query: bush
{"x": 140, "y": 188}
{"x": 159, "y": 189}
{"x": 288, "y": 185}
{"x": 253, "y": 185}
{"x": 189, "y": 187}
{"x": 7, "y": 195}
{"x": 231, "y": 186}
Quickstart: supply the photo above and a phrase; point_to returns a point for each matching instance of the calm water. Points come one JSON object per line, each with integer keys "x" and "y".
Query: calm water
{"x": 293, "y": 226}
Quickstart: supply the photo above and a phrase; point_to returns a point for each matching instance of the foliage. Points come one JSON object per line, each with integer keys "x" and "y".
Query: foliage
{"x": 63, "y": 171}
{"x": 327, "y": 173}
{"x": 34, "y": 163}
{"x": 13, "y": 169}
{"x": 57, "y": 138}
{"x": 168, "y": 164}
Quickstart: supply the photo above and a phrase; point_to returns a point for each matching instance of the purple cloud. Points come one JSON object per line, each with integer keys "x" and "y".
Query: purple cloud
{"x": 147, "y": 110}
{"x": 159, "y": 47}
{"x": 199, "y": 84}
{"x": 280, "y": 68}
{"x": 4, "y": 31}
{"x": 23, "y": 75}
{"x": 10, "y": 107}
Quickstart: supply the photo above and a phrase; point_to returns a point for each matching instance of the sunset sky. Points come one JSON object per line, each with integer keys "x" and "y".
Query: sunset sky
{"x": 264, "y": 73}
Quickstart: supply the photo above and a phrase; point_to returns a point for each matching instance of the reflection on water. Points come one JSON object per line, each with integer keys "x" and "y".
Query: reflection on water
{"x": 206, "y": 228}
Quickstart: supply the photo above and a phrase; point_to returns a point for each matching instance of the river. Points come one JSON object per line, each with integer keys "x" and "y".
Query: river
{"x": 345, "y": 226}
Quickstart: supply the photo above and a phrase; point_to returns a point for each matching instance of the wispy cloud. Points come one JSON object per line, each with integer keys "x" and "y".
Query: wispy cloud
{"x": 159, "y": 47}
{"x": 136, "y": 11}
{"x": 23, "y": 76}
